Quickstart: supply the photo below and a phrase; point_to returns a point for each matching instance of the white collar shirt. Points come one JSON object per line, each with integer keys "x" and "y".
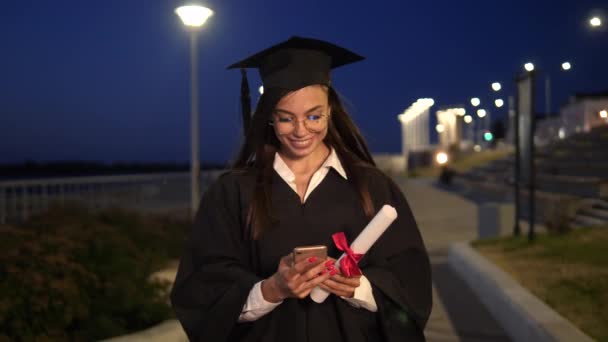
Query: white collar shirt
{"x": 288, "y": 176}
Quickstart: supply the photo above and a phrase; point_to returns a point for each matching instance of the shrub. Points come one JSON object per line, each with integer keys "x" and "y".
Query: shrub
{"x": 75, "y": 275}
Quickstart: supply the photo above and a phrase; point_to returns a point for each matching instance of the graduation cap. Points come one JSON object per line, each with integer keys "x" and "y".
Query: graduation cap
{"x": 293, "y": 64}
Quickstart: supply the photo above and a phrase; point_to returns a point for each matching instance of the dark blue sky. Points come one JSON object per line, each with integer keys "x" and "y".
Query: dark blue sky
{"x": 109, "y": 80}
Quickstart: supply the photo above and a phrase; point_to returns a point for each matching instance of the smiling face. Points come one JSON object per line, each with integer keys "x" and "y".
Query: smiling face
{"x": 301, "y": 122}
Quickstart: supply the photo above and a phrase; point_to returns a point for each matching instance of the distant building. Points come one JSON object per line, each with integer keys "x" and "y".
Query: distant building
{"x": 583, "y": 112}
{"x": 415, "y": 140}
{"x": 450, "y": 126}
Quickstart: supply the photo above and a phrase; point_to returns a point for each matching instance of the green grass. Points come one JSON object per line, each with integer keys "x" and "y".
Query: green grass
{"x": 463, "y": 163}
{"x": 568, "y": 272}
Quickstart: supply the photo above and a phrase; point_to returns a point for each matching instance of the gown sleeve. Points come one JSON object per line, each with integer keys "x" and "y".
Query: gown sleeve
{"x": 214, "y": 276}
{"x": 399, "y": 270}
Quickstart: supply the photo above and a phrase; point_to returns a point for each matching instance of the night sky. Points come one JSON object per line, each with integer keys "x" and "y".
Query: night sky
{"x": 109, "y": 80}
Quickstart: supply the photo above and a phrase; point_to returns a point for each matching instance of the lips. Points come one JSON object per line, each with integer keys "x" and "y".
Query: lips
{"x": 301, "y": 144}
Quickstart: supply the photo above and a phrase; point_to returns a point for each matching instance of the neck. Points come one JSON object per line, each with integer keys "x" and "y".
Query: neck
{"x": 307, "y": 164}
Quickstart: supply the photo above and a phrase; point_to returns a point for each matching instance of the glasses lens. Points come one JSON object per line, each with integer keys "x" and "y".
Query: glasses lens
{"x": 313, "y": 123}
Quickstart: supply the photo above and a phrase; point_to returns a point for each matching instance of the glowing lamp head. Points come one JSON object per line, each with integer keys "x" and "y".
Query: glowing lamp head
{"x": 468, "y": 119}
{"x": 496, "y": 86}
{"x": 566, "y": 66}
{"x": 440, "y": 128}
{"x": 595, "y": 22}
{"x": 441, "y": 158}
{"x": 604, "y": 114}
{"x": 475, "y": 102}
{"x": 499, "y": 103}
{"x": 481, "y": 113}
{"x": 193, "y": 15}
{"x": 529, "y": 67}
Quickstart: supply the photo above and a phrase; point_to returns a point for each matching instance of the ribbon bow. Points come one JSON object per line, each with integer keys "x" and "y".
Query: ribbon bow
{"x": 348, "y": 264}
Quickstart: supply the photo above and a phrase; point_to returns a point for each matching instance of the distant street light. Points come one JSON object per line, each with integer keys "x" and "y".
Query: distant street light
{"x": 565, "y": 67}
{"x": 499, "y": 103}
{"x": 481, "y": 113}
{"x": 595, "y": 22}
{"x": 529, "y": 67}
{"x": 261, "y": 90}
{"x": 468, "y": 119}
{"x": 440, "y": 128}
{"x": 475, "y": 101}
{"x": 496, "y": 86}
{"x": 604, "y": 114}
{"x": 441, "y": 158}
{"x": 194, "y": 16}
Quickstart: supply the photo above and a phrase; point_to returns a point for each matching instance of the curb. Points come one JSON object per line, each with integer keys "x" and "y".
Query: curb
{"x": 523, "y": 316}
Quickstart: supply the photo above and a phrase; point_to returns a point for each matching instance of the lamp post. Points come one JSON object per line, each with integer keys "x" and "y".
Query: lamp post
{"x": 193, "y": 17}
{"x": 566, "y": 66}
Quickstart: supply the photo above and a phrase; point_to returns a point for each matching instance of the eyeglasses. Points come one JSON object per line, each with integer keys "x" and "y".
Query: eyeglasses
{"x": 287, "y": 123}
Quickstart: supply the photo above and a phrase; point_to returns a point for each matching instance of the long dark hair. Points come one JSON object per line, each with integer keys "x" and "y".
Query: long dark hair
{"x": 261, "y": 144}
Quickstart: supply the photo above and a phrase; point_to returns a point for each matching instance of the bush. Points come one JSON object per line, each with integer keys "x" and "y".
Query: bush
{"x": 74, "y": 275}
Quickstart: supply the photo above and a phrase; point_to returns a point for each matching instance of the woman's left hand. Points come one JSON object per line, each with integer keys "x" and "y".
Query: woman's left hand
{"x": 339, "y": 284}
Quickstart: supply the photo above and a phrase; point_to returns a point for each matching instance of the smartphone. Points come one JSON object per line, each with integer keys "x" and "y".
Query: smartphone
{"x": 305, "y": 252}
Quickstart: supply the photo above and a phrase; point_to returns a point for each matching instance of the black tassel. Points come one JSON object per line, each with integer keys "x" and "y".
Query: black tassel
{"x": 245, "y": 102}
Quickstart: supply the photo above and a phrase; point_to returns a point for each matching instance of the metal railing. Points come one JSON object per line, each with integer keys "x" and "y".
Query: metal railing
{"x": 19, "y": 199}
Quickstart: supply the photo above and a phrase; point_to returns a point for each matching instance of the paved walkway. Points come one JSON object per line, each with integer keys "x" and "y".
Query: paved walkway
{"x": 444, "y": 218}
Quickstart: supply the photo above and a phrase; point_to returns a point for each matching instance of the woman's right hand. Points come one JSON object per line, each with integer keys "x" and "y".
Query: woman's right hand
{"x": 295, "y": 280}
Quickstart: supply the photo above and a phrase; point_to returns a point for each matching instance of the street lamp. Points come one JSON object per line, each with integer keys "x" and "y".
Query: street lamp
{"x": 193, "y": 17}
{"x": 529, "y": 67}
{"x": 468, "y": 119}
{"x": 566, "y": 66}
{"x": 496, "y": 86}
{"x": 261, "y": 90}
{"x": 595, "y": 22}
{"x": 499, "y": 103}
{"x": 441, "y": 158}
{"x": 481, "y": 113}
{"x": 475, "y": 102}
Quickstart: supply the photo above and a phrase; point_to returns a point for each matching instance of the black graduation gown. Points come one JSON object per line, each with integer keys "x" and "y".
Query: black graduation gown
{"x": 221, "y": 264}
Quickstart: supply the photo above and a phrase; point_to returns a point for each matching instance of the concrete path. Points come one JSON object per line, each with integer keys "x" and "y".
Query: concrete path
{"x": 444, "y": 218}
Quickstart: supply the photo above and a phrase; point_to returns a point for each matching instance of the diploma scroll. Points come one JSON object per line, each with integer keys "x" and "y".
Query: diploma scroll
{"x": 366, "y": 239}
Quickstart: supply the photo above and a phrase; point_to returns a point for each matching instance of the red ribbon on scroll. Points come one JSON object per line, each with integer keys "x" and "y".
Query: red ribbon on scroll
{"x": 349, "y": 263}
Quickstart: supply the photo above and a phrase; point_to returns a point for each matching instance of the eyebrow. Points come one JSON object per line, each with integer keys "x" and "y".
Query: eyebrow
{"x": 290, "y": 113}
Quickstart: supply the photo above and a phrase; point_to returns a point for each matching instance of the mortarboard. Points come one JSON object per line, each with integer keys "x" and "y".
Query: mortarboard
{"x": 293, "y": 64}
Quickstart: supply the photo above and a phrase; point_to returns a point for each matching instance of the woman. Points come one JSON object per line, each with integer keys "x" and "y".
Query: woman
{"x": 303, "y": 174}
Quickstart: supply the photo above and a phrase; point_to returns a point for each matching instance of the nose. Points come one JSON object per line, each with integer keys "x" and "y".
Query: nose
{"x": 300, "y": 129}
